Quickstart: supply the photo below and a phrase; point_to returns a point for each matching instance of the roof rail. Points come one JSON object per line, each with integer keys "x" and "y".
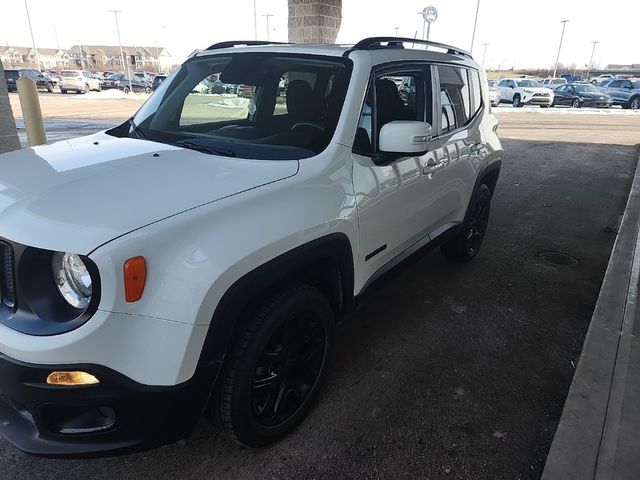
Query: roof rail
{"x": 374, "y": 43}
{"x": 241, "y": 43}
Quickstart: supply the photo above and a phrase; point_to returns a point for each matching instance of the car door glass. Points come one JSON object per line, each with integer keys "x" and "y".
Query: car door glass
{"x": 398, "y": 96}
{"x": 455, "y": 97}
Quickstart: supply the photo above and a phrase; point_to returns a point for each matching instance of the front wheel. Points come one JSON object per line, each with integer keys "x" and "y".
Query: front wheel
{"x": 50, "y": 87}
{"x": 147, "y": 90}
{"x": 516, "y": 101}
{"x": 635, "y": 103}
{"x": 466, "y": 244}
{"x": 126, "y": 90}
{"x": 575, "y": 103}
{"x": 275, "y": 367}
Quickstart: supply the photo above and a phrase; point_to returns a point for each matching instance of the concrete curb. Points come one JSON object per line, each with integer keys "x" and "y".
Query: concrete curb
{"x": 587, "y": 440}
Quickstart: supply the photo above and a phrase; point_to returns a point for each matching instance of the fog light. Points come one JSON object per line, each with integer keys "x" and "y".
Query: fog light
{"x": 71, "y": 378}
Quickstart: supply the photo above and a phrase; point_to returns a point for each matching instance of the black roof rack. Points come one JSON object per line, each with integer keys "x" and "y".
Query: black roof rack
{"x": 241, "y": 43}
{"x": 375, "y": 43}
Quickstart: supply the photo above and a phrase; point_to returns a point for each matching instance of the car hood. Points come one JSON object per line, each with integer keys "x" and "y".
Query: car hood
{"x": 538, "y": 89}
{"x": 77, "y": 195}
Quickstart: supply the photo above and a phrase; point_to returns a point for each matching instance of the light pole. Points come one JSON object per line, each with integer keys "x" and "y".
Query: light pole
{"x": 593, "y": 51}
{"x": 122, "y": 57}
{"x": 268, "y": 15}
{"x": 33, "y": 41}
{"x": 555, "y": 68}
{"x": 255, "y": 21}
{"x": 55, "y": 30}
{"x": 429, "y": 15}
{"x": 484, "y": 53}
{"x": 396, "y": 31}
{"x": 475, "y": 24}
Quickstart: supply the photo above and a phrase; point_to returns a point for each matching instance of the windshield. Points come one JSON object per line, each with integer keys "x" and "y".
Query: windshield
{"x": 248, "y": 105}
{"x": 586, "y": 88}
{"x": 527, "y": 83}
{"x": 68, "y": 73}
{"x": 11, "y": 74}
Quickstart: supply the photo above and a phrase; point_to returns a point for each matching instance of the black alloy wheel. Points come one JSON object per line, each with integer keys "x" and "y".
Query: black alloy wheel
{"x": 466, "y": 244}
{"x": 635, "y": 103}
{"x": 275, "y": 366}
{"x": 288, "y": 369}
{"x": 575, "y": 103}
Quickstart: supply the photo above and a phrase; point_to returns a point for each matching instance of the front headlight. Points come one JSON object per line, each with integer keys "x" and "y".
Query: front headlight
{"x": 72, "y": 279}
{"x": 527, "y": 91}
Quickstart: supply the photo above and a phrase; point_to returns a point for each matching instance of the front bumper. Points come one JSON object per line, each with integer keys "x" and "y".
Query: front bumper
{"x": 537, "y": 100}
{"x": 597, "y": 103}
{"x": 114, "y": 417}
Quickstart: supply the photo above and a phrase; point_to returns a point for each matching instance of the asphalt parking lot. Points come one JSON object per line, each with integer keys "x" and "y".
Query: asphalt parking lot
{"x": 449, "y": 371}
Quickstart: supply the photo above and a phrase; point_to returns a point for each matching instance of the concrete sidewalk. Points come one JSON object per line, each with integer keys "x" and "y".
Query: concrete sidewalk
{"x": 598, "y": 436}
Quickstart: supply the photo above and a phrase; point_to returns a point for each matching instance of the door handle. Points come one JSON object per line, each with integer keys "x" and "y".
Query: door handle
{"x": 432, "y": 166}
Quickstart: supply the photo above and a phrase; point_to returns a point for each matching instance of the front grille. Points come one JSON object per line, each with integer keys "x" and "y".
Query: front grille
{"x": 7, "y": 276}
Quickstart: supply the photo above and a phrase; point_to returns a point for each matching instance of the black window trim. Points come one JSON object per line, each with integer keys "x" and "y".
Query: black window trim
{"x": 405, "y": 66}
{"x": 436, "y": 76}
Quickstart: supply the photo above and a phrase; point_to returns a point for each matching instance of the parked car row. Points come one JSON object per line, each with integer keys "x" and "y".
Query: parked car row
{"x": 43, "y": 82}
{"x": 552, "y": 92}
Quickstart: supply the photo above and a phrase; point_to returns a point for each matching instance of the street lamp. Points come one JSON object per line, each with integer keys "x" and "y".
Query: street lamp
{"x": 475, "y": 24}
{"x": 593, "y": 51}
{"x": 555, "y": 69}
{"x": 429, "y": 15}
{"x": 484, "y": 53}
{"x": 33, "y": 41}
{"x": 267, "y": 15}
{"x": 122, "y": 57}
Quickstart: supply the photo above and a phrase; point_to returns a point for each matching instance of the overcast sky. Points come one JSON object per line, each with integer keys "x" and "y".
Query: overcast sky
{"x": 519, "y": 33}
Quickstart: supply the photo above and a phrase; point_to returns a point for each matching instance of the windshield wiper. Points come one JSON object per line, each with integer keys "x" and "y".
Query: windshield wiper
{"x": 205, "y": 149}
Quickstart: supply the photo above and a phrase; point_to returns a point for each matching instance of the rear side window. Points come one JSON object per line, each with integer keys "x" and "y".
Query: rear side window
{"x": 476, "y": 98}
{"x": 455, "y": 97}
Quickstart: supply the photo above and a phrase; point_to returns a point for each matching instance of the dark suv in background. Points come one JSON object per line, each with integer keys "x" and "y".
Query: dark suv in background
{"x": 42, "y": 81}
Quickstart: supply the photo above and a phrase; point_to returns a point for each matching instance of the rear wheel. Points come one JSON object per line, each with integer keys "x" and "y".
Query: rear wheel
{"x": 466, "y": 244}
{"x": 276, "y": 366}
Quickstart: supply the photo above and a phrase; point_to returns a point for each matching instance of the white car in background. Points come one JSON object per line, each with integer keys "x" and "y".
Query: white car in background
{"x": 602, "y": 78}
{"x": 553, "y": 82}
{"x": 79, "y": 81}
{"x": 524, "y": 91}
{"x": 494, "y": 96}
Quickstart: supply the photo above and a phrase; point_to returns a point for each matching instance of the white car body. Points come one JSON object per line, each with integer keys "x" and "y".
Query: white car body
{"x": 206, "y": 223}
{"x": 514, "y": 90}
{"x": 553, "y": 82}
{"x": 78, "y": 80}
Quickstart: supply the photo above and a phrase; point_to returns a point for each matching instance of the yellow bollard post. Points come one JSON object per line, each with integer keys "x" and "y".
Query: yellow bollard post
{"x": 31, "y": 113}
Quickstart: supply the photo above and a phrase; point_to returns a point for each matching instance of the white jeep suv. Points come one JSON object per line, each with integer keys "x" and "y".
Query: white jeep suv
{"x": 524, "y": 91}
{"x": 197, "y": 258}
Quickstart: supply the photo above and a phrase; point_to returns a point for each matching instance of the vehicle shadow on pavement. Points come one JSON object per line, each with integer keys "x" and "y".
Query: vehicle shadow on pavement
{"x": 448, "y": 371}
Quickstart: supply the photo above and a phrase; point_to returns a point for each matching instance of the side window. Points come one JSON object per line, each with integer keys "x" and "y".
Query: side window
{"x": 626, "y": 84}
{"x": 512, "y": 84}
{"x": 399, "y": 95}
{"x": 477, "y": 92}
{"x": 615, "y": 84}
{"x": 455, "y": 97}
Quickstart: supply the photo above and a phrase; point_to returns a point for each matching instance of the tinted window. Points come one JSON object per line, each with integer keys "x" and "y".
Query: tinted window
{"x": 399, "y": 96}
{"x": 615, "y": 84}
{"x": 475, "y": 88}
{"x": 455, "y": 97}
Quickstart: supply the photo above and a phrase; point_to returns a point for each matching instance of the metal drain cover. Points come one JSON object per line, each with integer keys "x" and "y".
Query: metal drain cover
{"x": 558, "y": 259}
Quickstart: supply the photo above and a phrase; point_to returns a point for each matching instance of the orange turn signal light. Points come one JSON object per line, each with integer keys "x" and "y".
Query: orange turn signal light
{"x": 71, "y": 378}
{"x": 135, "y": 276}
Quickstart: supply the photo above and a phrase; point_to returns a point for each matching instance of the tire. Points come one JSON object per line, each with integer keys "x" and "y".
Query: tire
{"x": 575, "y": 103}
{"x": 516, "y": 101}
{"x": 466, "y": 244}
{"x": 147, "y": 90}
{"x": 126, "y": 90}
{"x": 86, "y": 88}
{"x": 50, "y": 87}
{"x": 63, "y": 91}
{"x": 634, "y": 103}
{"x": 545, "y": 106}
{"x": 267, "y": 386}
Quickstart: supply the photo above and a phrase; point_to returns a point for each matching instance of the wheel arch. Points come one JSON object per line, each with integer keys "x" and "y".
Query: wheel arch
{"x": 325, "y": 263}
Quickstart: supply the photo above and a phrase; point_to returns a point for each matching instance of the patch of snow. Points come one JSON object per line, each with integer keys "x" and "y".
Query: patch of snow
{"x": 566, "y": 111}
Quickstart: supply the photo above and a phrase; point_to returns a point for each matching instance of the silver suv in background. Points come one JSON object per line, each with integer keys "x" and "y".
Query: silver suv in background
{"x": 625, "y": 92}
{"x": 80, "y": 81}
